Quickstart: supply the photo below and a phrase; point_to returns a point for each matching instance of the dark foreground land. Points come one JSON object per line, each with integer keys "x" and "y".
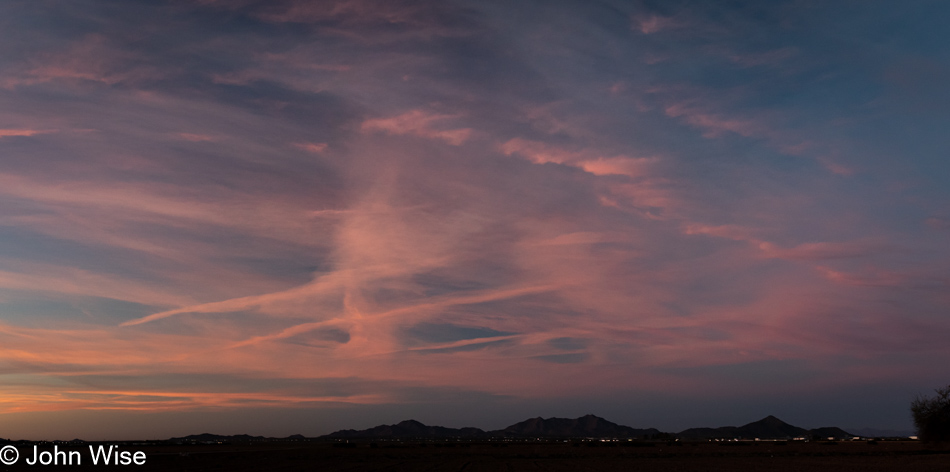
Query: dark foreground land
{"x": 517, "y": 456}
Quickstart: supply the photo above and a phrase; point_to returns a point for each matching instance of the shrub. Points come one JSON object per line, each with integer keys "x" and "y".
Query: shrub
{"x": 932, "y": 416}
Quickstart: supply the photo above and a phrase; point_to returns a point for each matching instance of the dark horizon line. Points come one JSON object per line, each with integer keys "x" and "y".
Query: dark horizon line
{"x": 508, "y": 433}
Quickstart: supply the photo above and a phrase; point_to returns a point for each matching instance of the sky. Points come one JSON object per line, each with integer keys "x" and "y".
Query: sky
{"x": 292, "y": 217}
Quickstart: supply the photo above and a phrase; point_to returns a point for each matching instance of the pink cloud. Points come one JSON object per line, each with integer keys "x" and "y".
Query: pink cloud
{"x": 5, "y": 133}
{"x": 156, "y": 201}
{"x": 629, "y": 166}
{"x": 734, "y": 232}
{"x": 937, "y": 223}
{"x": 197, "y": 138}
{"x": 877, "y": 277}
{"x": 714, "y": 117}
{"x": 714, "y": 125}
{"x": 422, "y": 124}
{"x": 73, "y": 353}
{"x": 586, "y": 237}
{"x": 650, "y": 24}
{"x": 587, "y": 159}
{"x": 649, "y": 191}
{"x": 816, "y": 251}
{"x": 92, "y": 58}
{"x": 382, "y": 243}
{"x": 353, "y": 10}
{"x": 316, "y": 148}
{"x": 40, "y": 278}
{"x": 538, "y": 152}
{"x": 372, "y": 21}
{"x": 833, "y": 164}
{"x": 825, "y": 250}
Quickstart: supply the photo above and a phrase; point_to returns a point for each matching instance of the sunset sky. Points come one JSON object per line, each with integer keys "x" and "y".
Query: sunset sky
{"x": 287, "y": 216}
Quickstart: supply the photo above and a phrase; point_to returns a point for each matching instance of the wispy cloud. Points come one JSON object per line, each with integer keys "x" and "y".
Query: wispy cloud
{"x": 653, "y": 23}
{"x": 6, "y": 133}
{"x": 419, "y": 123}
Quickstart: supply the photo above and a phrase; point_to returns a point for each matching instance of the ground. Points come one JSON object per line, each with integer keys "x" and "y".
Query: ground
{"x": 566, "y": 456}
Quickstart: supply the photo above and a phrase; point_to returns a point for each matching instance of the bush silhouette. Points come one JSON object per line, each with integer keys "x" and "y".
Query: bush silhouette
{"x": 932, "y": 416}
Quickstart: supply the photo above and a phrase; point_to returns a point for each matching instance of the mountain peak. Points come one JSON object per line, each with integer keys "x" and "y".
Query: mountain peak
{"x": 769, "y": 420}
{"x": 585, "y": 426}
{"x": 410, "y": 423}
{"x": 407, "y": 429}
{"x": 769, "y": 427}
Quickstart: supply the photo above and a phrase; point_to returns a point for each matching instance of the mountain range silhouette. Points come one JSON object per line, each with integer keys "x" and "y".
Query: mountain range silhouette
{"x": 590, "y": 426}
{"x": 769, "y": 427}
